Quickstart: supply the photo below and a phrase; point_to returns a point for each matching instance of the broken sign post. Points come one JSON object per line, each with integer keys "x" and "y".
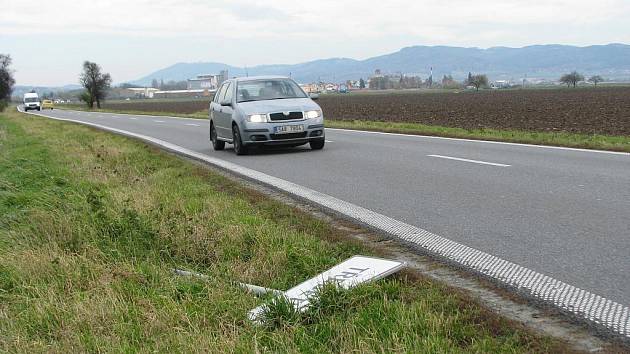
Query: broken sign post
{"x": 255, "y": 289}
{"x": 350, "y": 273}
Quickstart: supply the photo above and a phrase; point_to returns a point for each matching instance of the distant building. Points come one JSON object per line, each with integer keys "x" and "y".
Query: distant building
{"x": 140, "y": 92}
{"x": 207, "y": 81}
{"x": 499, "y": 84}
{"x": 311, "y": 88}
{"x": 184, "y": 93}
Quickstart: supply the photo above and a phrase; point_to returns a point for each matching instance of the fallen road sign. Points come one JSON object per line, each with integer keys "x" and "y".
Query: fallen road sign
{"x": 350, "y": 273}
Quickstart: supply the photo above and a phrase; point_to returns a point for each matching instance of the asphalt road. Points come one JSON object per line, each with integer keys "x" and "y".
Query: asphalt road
{"x": 561, "y": 212}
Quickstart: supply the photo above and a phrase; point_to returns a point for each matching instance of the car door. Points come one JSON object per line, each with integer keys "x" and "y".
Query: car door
{"x": 226, "y": 109}
{"x": 216, "y": 110}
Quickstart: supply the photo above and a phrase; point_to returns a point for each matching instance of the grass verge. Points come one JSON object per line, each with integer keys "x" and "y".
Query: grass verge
{"x": 584, "y": 141}
{"x": 91, "y": 224}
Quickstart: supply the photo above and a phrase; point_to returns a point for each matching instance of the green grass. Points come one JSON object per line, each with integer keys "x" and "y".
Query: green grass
{"x": 91, "y": 224}
{"x": 600, "y": 142}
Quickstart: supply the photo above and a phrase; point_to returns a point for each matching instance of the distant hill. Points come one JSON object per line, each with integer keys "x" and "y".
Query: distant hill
{"x": 611, "y": 61}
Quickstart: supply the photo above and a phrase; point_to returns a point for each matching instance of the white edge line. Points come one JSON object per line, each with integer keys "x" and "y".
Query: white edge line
{"x": 592, "y": 309}
{"x": 468, "y": 160}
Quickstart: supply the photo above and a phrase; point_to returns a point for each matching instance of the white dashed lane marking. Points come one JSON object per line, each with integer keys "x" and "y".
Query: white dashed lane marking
{"x": 159, "y": 121}
{"x": 192, "y": 124}
{"x": 467, "y": 160}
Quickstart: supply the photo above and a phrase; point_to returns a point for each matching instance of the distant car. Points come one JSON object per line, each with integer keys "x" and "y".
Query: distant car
{"x": 31, "y": 101}
{"x": 48, "y": 104}
{"x": 264, "y": 110}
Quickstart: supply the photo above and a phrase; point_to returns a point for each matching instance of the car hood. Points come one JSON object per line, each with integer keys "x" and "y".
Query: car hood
{"x": 282, "y": 105}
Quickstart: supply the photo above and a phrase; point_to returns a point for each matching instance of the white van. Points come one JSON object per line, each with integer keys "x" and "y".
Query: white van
{"x": 31, "y": 101}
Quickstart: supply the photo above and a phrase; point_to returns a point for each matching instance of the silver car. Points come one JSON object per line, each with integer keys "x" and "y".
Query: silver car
{"x": 264, "y": 110}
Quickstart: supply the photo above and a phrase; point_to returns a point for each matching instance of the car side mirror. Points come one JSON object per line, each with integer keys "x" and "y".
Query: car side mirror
{"x": 226, "y": 103}
{"x": 314, "y": 96}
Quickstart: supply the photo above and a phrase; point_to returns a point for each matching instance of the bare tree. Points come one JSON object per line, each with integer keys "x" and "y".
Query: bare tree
{"x": 595, "y": 79}
{"x": 571, "y": 78}
{"x": 96, "y": 84}
{"x": 478, "y": 81}
{"x": 6, "y": 81}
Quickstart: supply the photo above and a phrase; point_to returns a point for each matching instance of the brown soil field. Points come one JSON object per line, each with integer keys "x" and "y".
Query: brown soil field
{"x": 591, "y": 111}
{"x": 604, "y": 110}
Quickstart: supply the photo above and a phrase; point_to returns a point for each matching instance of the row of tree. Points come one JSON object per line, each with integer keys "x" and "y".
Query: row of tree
{"x": 6, "y": 81}
{"x": 573, "y": 78}
{"x": 170, "y": 85}
{"x": 394, "y": 82}
{"x": 477, "y": 81}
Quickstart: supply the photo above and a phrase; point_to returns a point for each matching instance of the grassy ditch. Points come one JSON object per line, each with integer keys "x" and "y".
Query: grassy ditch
{"x": 91, "y": 224}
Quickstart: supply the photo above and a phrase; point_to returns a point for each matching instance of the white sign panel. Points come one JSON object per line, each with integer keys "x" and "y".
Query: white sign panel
{"x": 354, "y": 271}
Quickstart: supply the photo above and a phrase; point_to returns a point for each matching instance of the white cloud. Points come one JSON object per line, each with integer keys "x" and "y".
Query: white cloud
{"x": 443, "y": 20}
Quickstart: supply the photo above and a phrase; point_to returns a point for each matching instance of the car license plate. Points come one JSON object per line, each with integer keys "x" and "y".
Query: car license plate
{"x": 285, "y": 129}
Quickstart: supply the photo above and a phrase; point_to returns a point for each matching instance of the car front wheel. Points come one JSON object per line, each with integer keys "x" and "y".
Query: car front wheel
{"x": 317, "y": 144}
{"x": 239, "y": 148}
{"x": 216, "y": 143}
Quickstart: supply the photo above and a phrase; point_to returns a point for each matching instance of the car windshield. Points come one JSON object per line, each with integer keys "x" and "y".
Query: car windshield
{"x": 31, "y": 99}
{"x": 268, "y": 89}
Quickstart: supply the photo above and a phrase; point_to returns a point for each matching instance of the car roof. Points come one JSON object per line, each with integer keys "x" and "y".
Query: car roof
{"x": 262, "y": 77}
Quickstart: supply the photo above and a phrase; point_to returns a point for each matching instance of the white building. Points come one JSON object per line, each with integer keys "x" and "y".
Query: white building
{"x": 142, "y": 92}
{"x": 207, "y": 81}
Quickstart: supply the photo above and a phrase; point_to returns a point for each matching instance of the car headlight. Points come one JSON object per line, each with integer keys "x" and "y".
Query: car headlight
{"x": 313, "y": 114}
{"x": 257, "y": 118}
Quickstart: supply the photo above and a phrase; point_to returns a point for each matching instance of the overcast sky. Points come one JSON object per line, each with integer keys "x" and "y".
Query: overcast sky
{"x": 49, "y": 40}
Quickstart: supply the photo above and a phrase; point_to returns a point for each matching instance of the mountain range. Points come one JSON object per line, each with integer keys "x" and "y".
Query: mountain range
{"x": 612, "y": 61}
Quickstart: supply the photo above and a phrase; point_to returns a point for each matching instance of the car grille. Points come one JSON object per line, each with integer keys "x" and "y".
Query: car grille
{"x": 288, "y": 136}
{"x": 281, "y": 116}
